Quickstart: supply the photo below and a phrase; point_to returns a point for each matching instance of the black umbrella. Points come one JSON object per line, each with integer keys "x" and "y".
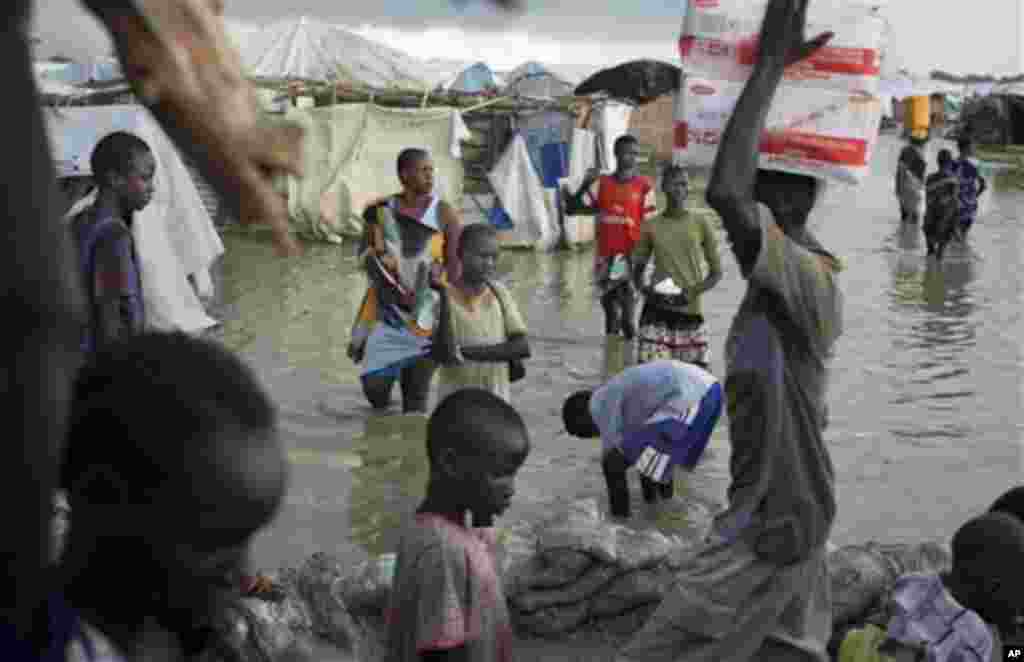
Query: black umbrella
{"x": 640, "y": 81}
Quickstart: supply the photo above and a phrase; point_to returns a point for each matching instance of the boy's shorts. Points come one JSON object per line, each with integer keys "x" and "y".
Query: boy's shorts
{"x": 657, "y": 447}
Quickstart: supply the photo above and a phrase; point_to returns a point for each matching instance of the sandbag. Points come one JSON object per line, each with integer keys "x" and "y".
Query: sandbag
{"x": 595, "y": 579}
{"x": 578, "y": 529}
{"x": 536, "y": 575}
{"x": 631, "y": 590}
{"x": 641, "y": 549}
{"x": 862, "y": 575}
{"x": 719, "y": 40}
{"x": 822, "y": 133}
{"x": 626, "y": 624}
{"x": 368, "y": 587}
{"x": 552, "y": 622}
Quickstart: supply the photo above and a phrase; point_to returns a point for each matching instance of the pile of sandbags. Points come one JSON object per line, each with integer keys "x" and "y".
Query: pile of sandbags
{"x": 570, "y": 573}
{"x": 586, "y": 573}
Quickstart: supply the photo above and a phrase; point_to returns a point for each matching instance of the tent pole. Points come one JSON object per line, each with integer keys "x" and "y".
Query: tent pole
{"x": 485, "y": 104}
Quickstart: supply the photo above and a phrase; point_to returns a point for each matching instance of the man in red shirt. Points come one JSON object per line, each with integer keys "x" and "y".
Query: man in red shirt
{"x": 623, "y": 200}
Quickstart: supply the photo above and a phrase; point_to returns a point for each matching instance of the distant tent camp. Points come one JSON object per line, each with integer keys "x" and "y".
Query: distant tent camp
{"x": 534, "y": 79}
{"x": 474, "y": 79}
{"x": 303, "y": 49}
{"x": 997, "y": 119}
{"x": 79, "y": 72}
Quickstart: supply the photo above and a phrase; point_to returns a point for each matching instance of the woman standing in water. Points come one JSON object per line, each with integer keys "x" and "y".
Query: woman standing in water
{"x": 410, "y": 249}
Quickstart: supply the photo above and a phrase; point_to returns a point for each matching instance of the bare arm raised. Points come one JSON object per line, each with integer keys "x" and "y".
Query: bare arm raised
{"x": 731, "y": 188}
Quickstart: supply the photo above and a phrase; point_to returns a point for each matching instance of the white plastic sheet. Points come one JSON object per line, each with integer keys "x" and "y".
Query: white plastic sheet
{"x": 824, "y": 134}
{"x": 719, "y": 40}
{"x": 518, "y": 187}
{"x": 826, "y": 114}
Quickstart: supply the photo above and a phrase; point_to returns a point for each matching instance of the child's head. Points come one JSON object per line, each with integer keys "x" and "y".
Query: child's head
{"x": 577, "y": 418}
{"x": 416, "y": 171}
{"x": 987, "y": 553}
{"x": 172, "y": 465}
{"x": 1011, "y": 502}
{"x": 675, "y": 184}
{"x": 123, "y": 163}
{"x": 478, "y": 249}
{"x": 627, "y": 152}
{"x": 476, "y": 443}
{"x": 945, "y": 159}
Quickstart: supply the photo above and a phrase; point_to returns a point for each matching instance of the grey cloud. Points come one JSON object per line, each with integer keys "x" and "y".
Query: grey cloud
{"x": 67, "y": 29}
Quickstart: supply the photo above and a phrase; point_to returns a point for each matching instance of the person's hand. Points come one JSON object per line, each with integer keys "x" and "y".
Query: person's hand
{"x": 591, "y": 176}
{"x": 782, "y": 39}
{"x": 177, "y": 56}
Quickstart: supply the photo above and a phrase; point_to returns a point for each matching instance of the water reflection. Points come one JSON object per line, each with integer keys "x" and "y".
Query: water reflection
{"x": 392, "y": 480}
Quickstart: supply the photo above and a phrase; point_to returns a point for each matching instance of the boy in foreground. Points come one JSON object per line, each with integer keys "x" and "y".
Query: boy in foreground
{"x": 189, "y": 469}
{"x": 653, "y": 416}
{"x": 758, "y": 588}
{"x": 447, "y": 599}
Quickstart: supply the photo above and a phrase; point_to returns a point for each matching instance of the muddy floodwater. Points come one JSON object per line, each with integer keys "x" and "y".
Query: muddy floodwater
{"x": 925, "y": 407}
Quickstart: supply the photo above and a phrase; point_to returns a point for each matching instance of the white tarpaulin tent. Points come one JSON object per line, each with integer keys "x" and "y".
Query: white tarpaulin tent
{"x": 519, "y": 189}
{"x": 349, "y": 155}
{"x": 306, "y": 49}
{"x": 174, "y": 235}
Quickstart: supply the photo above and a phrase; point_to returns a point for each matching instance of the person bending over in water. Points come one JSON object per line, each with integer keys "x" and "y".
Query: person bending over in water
{"x": 447, "y": 602}
{"x": 758, "y": 587}
{"x": 622, "y": 202}
{"x": 486, "y": 332}
{"x": 653, "y": 416}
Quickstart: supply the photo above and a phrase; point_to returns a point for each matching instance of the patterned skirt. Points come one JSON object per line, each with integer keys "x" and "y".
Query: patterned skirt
{"x": 666, "y": 333}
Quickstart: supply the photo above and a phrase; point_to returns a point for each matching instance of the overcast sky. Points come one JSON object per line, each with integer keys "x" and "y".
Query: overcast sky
{"x": 979, "y": 36}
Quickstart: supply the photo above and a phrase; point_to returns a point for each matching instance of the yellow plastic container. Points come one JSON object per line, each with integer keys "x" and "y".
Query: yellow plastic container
{"x": 918, "y": 116}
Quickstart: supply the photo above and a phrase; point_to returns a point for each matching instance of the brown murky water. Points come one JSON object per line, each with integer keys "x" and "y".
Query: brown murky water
{"x": 925, "y": 398}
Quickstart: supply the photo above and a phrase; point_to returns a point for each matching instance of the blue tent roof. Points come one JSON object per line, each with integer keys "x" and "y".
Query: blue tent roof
{"x": 476, "y": 78}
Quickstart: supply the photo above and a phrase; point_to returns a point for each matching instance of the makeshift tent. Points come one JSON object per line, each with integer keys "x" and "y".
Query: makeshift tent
{"x": 533, "y": 79}
{"x": 997, "y": 119}
{"x": 522, "y": 196}
{"x": 310, "y": 50}
{"x": 350, "y": 154}
{"x": 474, "y": 79}
{"x": 83, "y": 72}
{"x": 175, "y": 237}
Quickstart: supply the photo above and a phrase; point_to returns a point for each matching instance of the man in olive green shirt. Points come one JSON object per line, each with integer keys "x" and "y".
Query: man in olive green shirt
{"x": 672, "y": 322}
